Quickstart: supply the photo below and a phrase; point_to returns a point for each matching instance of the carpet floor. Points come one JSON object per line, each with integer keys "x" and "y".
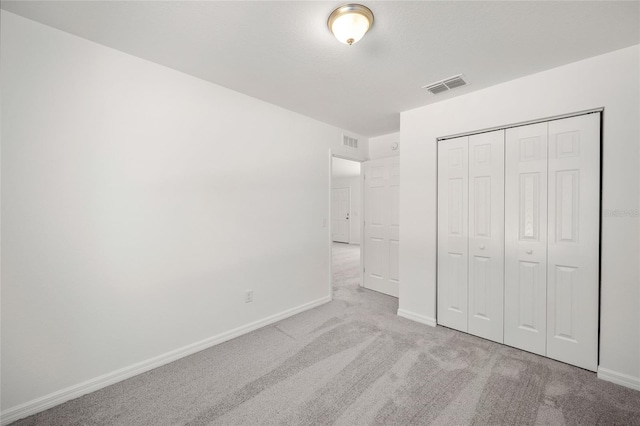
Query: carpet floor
{"x": 354, "y": 362}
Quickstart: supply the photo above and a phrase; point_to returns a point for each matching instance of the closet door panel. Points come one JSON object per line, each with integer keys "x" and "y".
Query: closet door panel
{"x": 486, "y": 235}
{"x": 526, "y": 238}
{"x": 573, "y": 235}
{"x": 453, "y": 217}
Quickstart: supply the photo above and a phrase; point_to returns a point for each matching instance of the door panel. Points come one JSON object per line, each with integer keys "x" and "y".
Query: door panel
{"x": 375, "y": 250}
{"x": 574, "y": 223}
{"x": 394, "y": 261}
{"x": 525, "y": 295}
{"x": 528, "y": 288}
{"x": 453, "y": 219}
{"x": 486, "y": 235}
{"x": 381, "y": 225}
{"x": 340, "y": 200}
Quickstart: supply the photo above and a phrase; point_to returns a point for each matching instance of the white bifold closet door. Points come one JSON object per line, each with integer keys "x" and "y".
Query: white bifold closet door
{"x": 552, "y": 239}
{"x": 573, "y": 240}
{"x": 486, "y": 235}
{"x": 518, "y": 237}
{"x": 453, "y": 238}
{"x": 525, "y": 297}
{"x": 471, "y": 234}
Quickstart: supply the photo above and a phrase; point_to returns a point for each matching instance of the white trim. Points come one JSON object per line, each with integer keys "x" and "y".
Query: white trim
{"x": 522, "y": 123}
{"x": 329, "y": 225}
{"x": 40, "y": 404}
{"x": 363, "y": 170}
{"x": 417, "y": 317}
{"x": 619, "y": 378}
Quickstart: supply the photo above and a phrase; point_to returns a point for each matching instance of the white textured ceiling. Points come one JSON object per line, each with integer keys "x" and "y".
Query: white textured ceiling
{"x": 283, "y": 53}
{"x": 341, "y": 168}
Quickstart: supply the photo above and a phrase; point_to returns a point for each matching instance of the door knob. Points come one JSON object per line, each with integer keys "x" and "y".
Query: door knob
{"x": 529, "y": 251}
{"x": 481, "y": 247}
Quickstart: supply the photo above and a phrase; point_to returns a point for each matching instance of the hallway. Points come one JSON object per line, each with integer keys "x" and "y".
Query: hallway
{"x": 345, "y": 260}
{"x": 346, "y": 279}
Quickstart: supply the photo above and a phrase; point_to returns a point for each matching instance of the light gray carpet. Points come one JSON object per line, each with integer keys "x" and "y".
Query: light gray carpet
{"x": 354, "y": 362}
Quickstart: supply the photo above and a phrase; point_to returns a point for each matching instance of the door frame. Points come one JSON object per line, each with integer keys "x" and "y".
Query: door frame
{"x": 360, "y": 160}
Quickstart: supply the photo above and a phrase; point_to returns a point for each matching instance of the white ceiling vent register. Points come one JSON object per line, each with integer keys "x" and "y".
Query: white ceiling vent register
{"x": 349, "y": 141}
{"x": 446, "y": 84}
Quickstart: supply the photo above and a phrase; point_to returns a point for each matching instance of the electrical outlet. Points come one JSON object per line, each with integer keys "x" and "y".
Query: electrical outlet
{"x": 248, "y": 296}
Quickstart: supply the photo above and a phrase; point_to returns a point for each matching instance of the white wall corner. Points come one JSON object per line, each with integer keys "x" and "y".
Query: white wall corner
{"x": 29, "y": 408}
{"x": 619, "y": 378}
{"x": 422, "y": 319}
{"x": 384, "y": 146}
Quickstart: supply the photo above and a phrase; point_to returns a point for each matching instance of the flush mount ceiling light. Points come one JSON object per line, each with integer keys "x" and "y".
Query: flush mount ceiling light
{"x": 349, "y": 23}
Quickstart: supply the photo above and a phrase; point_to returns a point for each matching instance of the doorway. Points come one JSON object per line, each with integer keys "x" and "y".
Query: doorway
{"x": 340, "y": 212}
{"x": 346, "y": 224}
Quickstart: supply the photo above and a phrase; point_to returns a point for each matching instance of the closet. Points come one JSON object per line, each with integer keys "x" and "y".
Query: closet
{"x": 518, "y": 237}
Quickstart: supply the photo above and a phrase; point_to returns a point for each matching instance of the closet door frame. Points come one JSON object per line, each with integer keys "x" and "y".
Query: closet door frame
{"x": 596, "y": 112}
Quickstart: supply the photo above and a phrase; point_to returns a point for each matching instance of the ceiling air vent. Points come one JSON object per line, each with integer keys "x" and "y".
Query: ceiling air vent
{"x": 349, "y": 141}
{"x": 437, "y": 88}
{"x": 446, "y": 84}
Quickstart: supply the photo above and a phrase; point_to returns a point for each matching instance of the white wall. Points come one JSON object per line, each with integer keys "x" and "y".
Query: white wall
{"x": 355, "y": 204}
{"x": 610, "y": 81}
{"x": 138, "y": 204}
{"x": 382, "y": 146}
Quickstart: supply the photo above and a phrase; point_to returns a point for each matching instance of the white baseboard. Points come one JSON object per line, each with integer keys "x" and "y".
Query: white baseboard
{"x": 619, "y": 378}
{"x": 417, "y": 317}
{"x": 43, "y": 403}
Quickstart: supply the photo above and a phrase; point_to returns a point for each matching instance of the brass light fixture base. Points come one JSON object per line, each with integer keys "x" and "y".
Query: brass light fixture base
{"x": 351, "y": 9}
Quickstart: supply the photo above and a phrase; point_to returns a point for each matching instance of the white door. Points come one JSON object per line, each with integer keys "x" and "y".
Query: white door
{"x": 526, "y": 238}
{"x": 382, "y": 225}
{"x": 340, "y": 214}
{"x": 486, "y": 235}
{"x": 574, "y": 227}
{"x": 453, "y": 218}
